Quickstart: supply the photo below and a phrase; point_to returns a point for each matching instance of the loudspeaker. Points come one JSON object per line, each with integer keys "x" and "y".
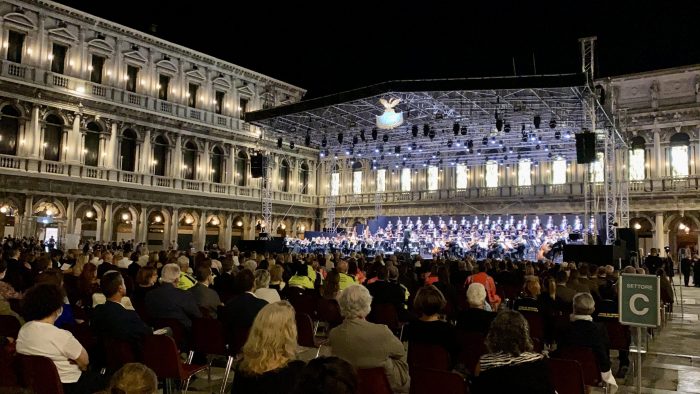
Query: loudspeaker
{"x": 630, "y": 237}
{"x": 256, "y": 166}
{"x": 585, "y": 148}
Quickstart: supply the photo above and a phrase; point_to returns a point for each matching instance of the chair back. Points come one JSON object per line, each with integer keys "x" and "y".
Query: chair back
{"x": 208, "y": 337}
{"x": 471, "y": 347}
{"x": 385, "y": 314}
{"x": 432, "y": 381}
{"x": 305, "y": 330}
{"x": 236, "y": 338}
{"x": 9, "y": 326}
{"x": 179, "y": 333}
{"x": 618, "y": 334}
{"x": 161, "y": 355}
{"x": 329, "y": 311}
{"x": 304, "y": 303}
{"x": 536, "y": 324}
{"x": 8, "y": 367}
{"x": 118, "y": 352}
{"x": 566, "y": 376}
{"x": 585, "y": 357}
{"x": 39, "y": 374}
{"x": 373, "y": 381}
{"x": 428, "y": 356}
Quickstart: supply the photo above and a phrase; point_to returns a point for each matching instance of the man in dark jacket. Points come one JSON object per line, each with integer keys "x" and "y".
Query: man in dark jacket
{"x": 653, "y": 261}
{"x": 169, "y": 302}
{"x": 111, "y": 319}
{"x": 19, "y": 275}
{"x": 583, "y": 332}
{"x": 240, "y": 311}
{"x": 686, "y": 264}
{"x": 385, "y": 292}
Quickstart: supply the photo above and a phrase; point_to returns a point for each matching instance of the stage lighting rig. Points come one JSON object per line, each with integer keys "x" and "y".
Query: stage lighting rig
{"x": 374, "y": 134}
{"x": 340, "y": 138}
{"x": 537, "y": 120}
{"x": 414, "y": 130}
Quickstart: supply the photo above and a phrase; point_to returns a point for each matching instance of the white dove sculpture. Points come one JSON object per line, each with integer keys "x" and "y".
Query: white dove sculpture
{"x": 390, "y": 118}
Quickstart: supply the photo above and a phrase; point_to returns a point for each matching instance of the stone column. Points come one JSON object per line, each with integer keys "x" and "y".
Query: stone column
{"x": 231, "y": 166}
{"x": 205, "y": 165}
{"x": 108, "y": 222}
{"x": 70, "y": 215}
{"x": 74, "y": 148}
{"x": 659, "y": 234}
{"x": 177, "y": 158}
{"x": 201, "y": 230}
{"x": 142, "y": 225}
{"x": 27, "y": 217}
{"x": 146, "y": 154}
{"x": 112, "y": 153}
{"x": 174, "y": 224}
{"x": 658, "y": 159}
{"x": 225, "y": 243}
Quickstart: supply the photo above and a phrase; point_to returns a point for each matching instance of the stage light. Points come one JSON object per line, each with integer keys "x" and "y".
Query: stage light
{"x": 426, "y": 130}
{"x": 307, "y": 140}
{"x": 355, "y": 140}
{"x": 385, "y": 137}
{"x": 463, "y": 130}
{"x": 485, "y": 141}
{"x": 557, "y": 135}
{"x": 637, "y": 226}
{"x": 536, "y": 121}
{"x": 414, "y": 146}
{"x": 414, "y": 130}
{"x": 125, "y": 216}
{"x": 431, "y": 134}
{"x": 340, "y": 138}
{"x": 374, "y": 134}
{"x": 455, "y": 128}
{"x": 279, "y": 142}
{"x": 470, "y": 144}
{"x": 449, "y": 143}
{"x": 324, "y": 141}
{"x": 88, "y": 214}
{"x": 537, "y": 146}
{"x": 362, "y": 135}
{"x": 397, "y": 149}
{"x": 681, "y": 226}
{"x": 506, "y": 128}
{"x": 499, "y": 124}
{"x": 552, "y": 123}
{"x": 291, "y": 144}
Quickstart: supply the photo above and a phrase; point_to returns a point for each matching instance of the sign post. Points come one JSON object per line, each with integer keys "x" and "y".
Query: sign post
{"x": 639, "y": 303}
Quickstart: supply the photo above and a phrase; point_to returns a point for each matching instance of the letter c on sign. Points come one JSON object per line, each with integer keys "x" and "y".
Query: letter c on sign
{"x": 633, "y": 308}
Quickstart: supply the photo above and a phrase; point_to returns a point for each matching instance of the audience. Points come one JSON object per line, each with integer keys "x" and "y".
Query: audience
{"x": 169, "y": 302}
{"x": 207, "y": 299}
{"x": 240, "y": 311}
{"x": 429, "y": 329}
{"x": 268, "y": 365}
{"x": 510, "y": 366}
{"x": 476, "y": 318}
{"x": 368, "y": 345}
{"x": 331, "y": 286}
{"x": 111, "y": 319}
{"x": 262, "y": 281}
{"x": 146, "y": 280}
{"x": 327, "y": 375}
{"x": 133, "y": 378}
{"x": 485, "y": 279}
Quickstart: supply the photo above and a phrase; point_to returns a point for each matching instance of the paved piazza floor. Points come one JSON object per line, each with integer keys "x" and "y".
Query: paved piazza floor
{"x": 672, "y": 365}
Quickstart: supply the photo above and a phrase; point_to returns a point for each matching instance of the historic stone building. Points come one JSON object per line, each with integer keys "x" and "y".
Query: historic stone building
{"x": 110, "y": 133}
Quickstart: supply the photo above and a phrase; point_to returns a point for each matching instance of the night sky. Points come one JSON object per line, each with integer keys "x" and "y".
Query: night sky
{"x": 334, "y": 46}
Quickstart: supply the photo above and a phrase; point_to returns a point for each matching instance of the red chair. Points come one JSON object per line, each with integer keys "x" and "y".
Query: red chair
{"x": 305, "y": 332}
{"x": 619, "y": 335}
{"x": 118, "y": 352}
{"x": 536, "y": 324}
{"x": 39, "y": 374}
{"x": 471, "y": 348}
{"x": 208, "y": 338}
{"x": 432, "y": 381}
{"x": 304, "y": 303}
{"x": 373, "y": 381}
{"x": 585, "y": 357}
{"x": 386, "y": 314}
{"x": 179, "y": 333}
{"x": 428, "y": 356}
{"x": 328, "y": 311}
{"x": 161, "y": 355}
{"x": 236, "y": 338}
{"x": 9, "y": 326}
{"x": 8, "y": 368}
{"x": 566, "y": 376}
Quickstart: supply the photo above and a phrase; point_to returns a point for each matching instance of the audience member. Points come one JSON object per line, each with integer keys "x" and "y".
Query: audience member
{"x": 111, "y": 319}
{"x": 133, "y": 378}
{"x": 169, "y": 302}
{"x": 327, "y": 375}
{"x": 476, "y": 318}
{"x": 429, "y": 329}
{"x": 240, "y": 311}
{"x": 262, "y": 291}
{"x": 207, "y": 299}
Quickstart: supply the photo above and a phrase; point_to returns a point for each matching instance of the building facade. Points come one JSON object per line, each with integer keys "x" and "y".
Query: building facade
{"x": 109, "y": 133}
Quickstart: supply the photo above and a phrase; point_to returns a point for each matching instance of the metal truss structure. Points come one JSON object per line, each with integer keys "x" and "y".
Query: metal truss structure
{"x": 266, "y": 195}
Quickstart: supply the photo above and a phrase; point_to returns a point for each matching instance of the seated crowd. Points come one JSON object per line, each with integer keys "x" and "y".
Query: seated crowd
{"x": 493, "y": 323}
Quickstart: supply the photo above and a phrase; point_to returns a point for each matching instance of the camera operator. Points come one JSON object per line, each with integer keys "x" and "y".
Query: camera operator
{"x": 653, "y": 262}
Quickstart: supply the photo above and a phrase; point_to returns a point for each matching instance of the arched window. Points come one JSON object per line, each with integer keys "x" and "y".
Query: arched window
{"x": 405, "y": 179}
{"x": 217, "y": 165}
{"x": 128, "y": 150}
{"x": 53, "y": 138}
{"x": 432, "y": 177}
{"x": 381, "y": 180}
{"x": 637, "y": 159}
{"x": 357, "y": 178}
{"x": 680, "y": 166}
{"x": 597, "y": 170}
{"x": 160, "y": 155}
{"x": 461, "y": 176}
{"x": 189, "y": 161}
{"x": 284, "y": 175}
{"x": 335, "y": 181}
{"x": 91, "y": 152}
{"x": 524, "y": 172}
{"x": 241, "y": 168}
{"x": 304, "y": 178}
{"x": 9, "y": 130}
{"x": 559, "y": 171}
{"x": 491, "y": 173}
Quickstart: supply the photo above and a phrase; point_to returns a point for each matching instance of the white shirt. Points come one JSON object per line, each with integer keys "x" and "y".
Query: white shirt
{"x": 269, "y": 295}
{"x": 42, "y": 339}
{"x": 124, "y": 263}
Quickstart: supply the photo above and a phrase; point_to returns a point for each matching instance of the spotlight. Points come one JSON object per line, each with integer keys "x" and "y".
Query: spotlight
{"x": 414, "y": 130}
{"x": 374, "y": 134}
{"x": 431, "y": 134}
{"x": 355, "y": 140}
{"x": 499, "y": 124}
{"x": 524, "y": 139}
{"x": 385, "y": 137}
{"x": 307, "y": 140}
{"x": 506, "y": 128}
{"x": 537, "y": 146}
{"x": 362, "y": 135}
{"x": 522, "y": 128}
{"x": 552, "y": 123}
{"x": 324, "y": 141}
{"x": 637, "y": 226}
{"x": 88, "y": 214}
{"x": 340, "y": 138}
{"x": 536, "y": 121}
{"x": 291, "y": 144}
{"x": 426, "y": 130}
{"x": 557, "y": 135}
{"x": 485, "y": 141}
{"x": 455, "y": 128}
{"x": 464, "y": 130}
{"x": 279, "y": 142}
{"x": 414, "y": 146}
{"x": 449, "y": 143}
{"x": 397, "y": 149}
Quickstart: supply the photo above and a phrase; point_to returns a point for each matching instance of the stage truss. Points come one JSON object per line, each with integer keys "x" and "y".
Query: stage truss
{"x": 460, "y": 121}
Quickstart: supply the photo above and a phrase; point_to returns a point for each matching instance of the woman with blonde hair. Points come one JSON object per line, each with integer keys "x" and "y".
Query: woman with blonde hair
{"x": 268, "y": 364}
{"x": 133, "y": 378}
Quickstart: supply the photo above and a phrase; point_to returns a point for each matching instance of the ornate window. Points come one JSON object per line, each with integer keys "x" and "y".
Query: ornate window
{"x": 381, "y": 180}
{"x": 559, "y": 171}
{"x": 241, "y": 169}
{"x": 637, "y": 159}
{"x": 91, "y": 152}
{"x": 597, "y": 170}
{"x": 53, "y": 138}
{"x": 524, "y": 175}
{"x": 405, "y": 179}
{"x": 217, "y": 165}
{"x": 304, "y": 178}
{"x": 160, "y": 155}
{"x": 680, "y": 165}
{"x": 9, "y": 130}
{"x": 335, "y": 183}
{"x": 357, "y": 178}
{"x": 491, "y": 173}
{"x": 189, "y": 161}
{"x": 461, "y": 176}
{"x": 284, "y": 176}
{"x": 432, "y": 178}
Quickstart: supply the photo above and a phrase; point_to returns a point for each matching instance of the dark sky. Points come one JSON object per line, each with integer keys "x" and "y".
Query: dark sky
{"x": 338, "y": 45}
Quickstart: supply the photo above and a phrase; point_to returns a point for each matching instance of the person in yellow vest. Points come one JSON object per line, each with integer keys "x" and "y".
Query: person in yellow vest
{"x": 304, "y": 276}
{"x": 186, "y": 279}
{"x": 345, "y": 279}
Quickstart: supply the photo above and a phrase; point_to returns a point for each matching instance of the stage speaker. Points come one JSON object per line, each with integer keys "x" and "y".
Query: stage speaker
{"x": 585, "y": 148}
{"x": 630, "y": 237}
{"x": 256, "y": 166}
